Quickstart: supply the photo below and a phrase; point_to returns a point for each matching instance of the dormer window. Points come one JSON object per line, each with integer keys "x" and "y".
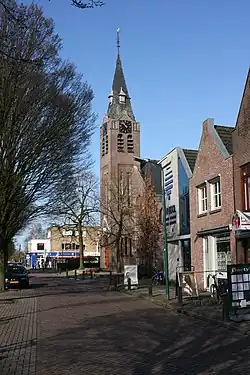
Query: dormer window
{"x": 111, "y": 96}
{"x": 122, "y": 97}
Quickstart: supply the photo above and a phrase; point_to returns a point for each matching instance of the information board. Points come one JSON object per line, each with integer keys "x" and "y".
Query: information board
{"x": 239, "y": 285}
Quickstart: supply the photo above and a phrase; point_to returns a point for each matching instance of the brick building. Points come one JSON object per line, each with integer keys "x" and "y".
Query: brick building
{"x": 212, "y": 202}
{"x": 241, "y": 161}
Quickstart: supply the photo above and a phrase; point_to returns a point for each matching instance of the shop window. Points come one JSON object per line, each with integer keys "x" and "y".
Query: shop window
{"x": 202, "y": 199}
{"x": 215, "y": 190}
{"x": 223, "y": 253}
{"x": 245, "y": 181}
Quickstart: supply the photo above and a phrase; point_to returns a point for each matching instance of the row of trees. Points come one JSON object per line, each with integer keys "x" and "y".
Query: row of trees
{"x": 135, "y": 217}
{"x": 46, "y": 120}
{"x": 46, "y": 125}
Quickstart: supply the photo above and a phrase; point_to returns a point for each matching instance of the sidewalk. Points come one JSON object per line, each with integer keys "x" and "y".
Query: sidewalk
{"x": 18, "y": 336}
{"x": 203, "y": 309}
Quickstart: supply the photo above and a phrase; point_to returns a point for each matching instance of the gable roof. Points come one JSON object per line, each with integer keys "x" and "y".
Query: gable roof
{"x": 191, "y": 156}
{"x": 225, "y": 134}
{"x": 246, "y": 89}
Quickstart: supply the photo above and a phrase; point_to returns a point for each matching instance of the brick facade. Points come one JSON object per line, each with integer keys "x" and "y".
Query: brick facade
{"x": 241, "y": 147}
{"x": 213, "y": 161}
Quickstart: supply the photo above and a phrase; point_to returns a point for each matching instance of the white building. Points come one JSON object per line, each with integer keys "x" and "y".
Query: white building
{"x": 37, "y": 249}
{"x": 177, "y": 168}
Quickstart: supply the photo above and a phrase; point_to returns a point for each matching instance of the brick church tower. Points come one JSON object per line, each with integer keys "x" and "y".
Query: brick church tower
{"x": 119, "y": 145}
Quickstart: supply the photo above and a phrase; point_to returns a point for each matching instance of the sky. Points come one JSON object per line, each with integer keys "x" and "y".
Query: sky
{"x": 184, "y": 61}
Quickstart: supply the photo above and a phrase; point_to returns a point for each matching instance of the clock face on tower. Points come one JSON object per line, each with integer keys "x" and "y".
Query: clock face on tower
{"x": 125, "y": 126}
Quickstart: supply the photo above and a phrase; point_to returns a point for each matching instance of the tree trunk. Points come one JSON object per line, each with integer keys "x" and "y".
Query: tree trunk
{"x": 3, "y": 263}
{"x": 81, "y": 247}
{"x": 118, "y": 255}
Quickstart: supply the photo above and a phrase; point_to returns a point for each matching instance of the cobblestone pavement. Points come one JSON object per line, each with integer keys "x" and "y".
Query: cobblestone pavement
{"x": 95, "y": 332}
{"x": 83, "y": 329}
{"x": 18, "y": 334}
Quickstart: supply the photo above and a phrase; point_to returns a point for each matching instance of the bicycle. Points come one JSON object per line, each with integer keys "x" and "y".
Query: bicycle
{"x": 219, "y": 287}
{"x": 157, "y": 278}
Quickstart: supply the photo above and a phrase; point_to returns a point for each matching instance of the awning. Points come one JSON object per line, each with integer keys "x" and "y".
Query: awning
{"x": 213, "y": 231}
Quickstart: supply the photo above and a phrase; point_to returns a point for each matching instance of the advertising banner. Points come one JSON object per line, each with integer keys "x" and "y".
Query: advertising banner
{"x": 132, "y": 273}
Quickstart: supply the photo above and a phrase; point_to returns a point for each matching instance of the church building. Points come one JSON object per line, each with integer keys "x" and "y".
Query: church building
{"x": 120, "y": 173}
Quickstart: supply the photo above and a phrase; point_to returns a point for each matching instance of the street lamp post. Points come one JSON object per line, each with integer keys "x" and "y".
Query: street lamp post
{"x": 165, "y": 240}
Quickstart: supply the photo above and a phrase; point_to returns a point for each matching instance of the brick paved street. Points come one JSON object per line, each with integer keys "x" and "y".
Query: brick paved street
{"x": 83, "y": 329}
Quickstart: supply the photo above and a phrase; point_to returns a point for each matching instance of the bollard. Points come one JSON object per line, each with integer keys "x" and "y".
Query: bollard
{"x": 150, "y": 290}
{"x": 110, "y": 279}
{"x": 115, "y": 283}
{"x": 225, "y": 310}
{"x": 91, "y": 274}
{"x": 180, "y": 300}
{"x": 75, "y": 274}
{"x": 60, "y": 270}
{"x": 83, "y": 275}
{"x": 67, "y": 273}
{"x": 129, "y": 283}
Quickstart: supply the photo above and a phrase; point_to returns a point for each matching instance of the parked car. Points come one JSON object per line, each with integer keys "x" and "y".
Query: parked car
{"x": 16, "y": 277}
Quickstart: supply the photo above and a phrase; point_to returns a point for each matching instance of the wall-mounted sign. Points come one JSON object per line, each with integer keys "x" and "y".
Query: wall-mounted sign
{"x": 241, "y": 220}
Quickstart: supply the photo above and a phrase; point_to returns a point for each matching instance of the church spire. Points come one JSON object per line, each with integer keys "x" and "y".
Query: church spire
{"x": 120, "y": 98}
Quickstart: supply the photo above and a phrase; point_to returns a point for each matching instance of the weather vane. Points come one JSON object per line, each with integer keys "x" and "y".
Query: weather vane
{"x": 118, "y": 40}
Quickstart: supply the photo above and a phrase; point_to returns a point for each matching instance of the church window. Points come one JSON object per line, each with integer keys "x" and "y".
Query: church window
{"x": 129, "y": 188}
{"x": 120, "y": 143}
{"x": 105, "y": 145}
{"x": 130, "y": 144}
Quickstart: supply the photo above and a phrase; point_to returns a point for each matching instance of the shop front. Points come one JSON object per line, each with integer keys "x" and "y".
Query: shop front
{"x": 241, "y": 226}
{"x": 216, "y": 253}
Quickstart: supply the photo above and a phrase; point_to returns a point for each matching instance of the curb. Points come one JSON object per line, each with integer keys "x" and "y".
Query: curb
{"x": 197, "y": 316}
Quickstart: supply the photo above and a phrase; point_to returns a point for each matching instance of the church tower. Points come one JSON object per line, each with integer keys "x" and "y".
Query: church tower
{"x": 119, "y": 145}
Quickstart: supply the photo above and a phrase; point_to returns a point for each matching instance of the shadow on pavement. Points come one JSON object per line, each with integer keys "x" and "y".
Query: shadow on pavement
{"x": 143, "y": 342}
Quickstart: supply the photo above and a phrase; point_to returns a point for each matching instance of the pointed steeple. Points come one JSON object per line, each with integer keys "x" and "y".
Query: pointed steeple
{"x": 120, "y": 98}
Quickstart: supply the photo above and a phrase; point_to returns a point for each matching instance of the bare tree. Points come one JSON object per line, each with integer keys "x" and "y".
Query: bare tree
{"x": 148, "y": 226}
{"x": 118, "y": 220}
{"x": 46, "y": 122}
{"x": 87, "y": 4}
{"x": 36, "y": 231}
{"x": 79, "y": 206}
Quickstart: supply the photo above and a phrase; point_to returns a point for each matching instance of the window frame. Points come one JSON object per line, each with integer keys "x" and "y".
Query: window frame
{"x": 245, "y": 181}
{"x": 215, "y": 196}
{"x": 200, "y": 189}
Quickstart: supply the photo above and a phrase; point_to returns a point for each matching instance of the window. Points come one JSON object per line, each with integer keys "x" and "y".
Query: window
{"x": 215, "y": 195}
{"x": 129, "y": 188}
{"x": 130, "y": 144}
{"x": 120, "y": 143}
{"x": 202, "y": 199}
{"x": 40, "y": 246}
{"x": 122, "y": 98}
{"x": 245, "y": 180}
